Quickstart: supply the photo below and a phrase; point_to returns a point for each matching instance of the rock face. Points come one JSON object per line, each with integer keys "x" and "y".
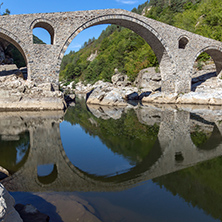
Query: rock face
{"x": 120, "y": 90}
{"x": 7, "y": 210}
{"x": 19, "y": 94}
{"x": 92, "y": 56}
{"x": 109, "y": 94}
{"x": 148, "y": 80}
{"x": 206, "y": 89}
{"x": 120, "y": 80}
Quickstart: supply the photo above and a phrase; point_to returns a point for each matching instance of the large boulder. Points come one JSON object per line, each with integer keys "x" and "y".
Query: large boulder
{"x": 120, "y": 80}
{"x": 148, "y": 79}
{"x": 81, "y": 88}
{"x": 107, "y": 94}
{"x": 92, "y": 56}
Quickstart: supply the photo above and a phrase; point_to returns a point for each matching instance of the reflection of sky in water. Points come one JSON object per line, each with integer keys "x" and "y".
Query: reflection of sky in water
{"x": 21, "y": 151}
{"x": 89, "y": 153}
{"x": 44, "y": 170}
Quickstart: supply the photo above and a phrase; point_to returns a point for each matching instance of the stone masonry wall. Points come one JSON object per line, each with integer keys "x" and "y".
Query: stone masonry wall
{"x": 43, "y": 61}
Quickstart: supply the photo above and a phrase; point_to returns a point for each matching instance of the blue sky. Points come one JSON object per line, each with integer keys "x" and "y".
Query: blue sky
{"x": 42, "y": 6}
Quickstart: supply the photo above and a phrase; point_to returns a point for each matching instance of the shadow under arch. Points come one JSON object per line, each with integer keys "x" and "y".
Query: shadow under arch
{"x": 14, "y": 41}
{"x": 132, "y": 22}
{"x": 133, "y": 174}
{"x": 49, "y": 178}
{"x": 216, "y": 55}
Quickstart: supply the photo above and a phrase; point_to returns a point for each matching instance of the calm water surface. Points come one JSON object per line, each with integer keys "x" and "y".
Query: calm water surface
{"x": 104, "y": 164}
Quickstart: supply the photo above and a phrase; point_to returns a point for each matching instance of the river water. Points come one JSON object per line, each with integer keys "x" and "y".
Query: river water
{"x": 146, "y": 163}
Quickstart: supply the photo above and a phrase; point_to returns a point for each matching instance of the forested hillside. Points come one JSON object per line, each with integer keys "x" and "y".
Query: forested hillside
{"x": 121, "y": 48}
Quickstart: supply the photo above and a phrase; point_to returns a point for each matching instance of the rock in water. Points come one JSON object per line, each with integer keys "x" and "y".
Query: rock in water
{"x": 29, "y": 213}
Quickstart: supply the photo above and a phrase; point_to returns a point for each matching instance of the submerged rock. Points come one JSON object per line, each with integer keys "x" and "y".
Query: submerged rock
{"x": 148, "y": 79}
{"x": 30, "y": 213}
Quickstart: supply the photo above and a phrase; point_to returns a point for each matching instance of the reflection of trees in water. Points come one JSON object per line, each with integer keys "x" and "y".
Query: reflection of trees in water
{"x": 200, "y": 185}
{"x": 198, "y": 136}
{"x": 125, "y": 136}
{"x": 13, "y": 153}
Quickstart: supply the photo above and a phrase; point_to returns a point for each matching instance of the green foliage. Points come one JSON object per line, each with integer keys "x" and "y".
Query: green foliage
{"x": 9, "y": 151}
{"x": 198, "y": 137}
{"x": 121, "y": 48}
{"x": 36, "y": 40}
{"x": 140, "y": 8}
{"x": 7, "y": 12}
{"x": 117, "y": 48}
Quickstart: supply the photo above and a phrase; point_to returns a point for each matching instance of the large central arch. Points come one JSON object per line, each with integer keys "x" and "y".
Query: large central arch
{"x": 148, "y": 33}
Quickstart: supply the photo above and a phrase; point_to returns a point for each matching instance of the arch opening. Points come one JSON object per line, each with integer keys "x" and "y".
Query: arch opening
{"x": 149, "y": 35}
{"x": 117, "y": 50}
{"x": 12, "y": 57}
{"x": 183, "y": 41}
{"x": 206, "y": 69}
{"x": 43, "y": 31}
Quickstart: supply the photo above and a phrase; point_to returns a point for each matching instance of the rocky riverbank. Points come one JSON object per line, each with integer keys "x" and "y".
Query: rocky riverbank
{"x": 18, "y": 93}
{"x": 206, "y": 89}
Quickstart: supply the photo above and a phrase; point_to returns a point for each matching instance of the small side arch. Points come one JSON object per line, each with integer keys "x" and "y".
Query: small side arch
{"x": 182, "y": 42}
{"x": 45, "y": 24}
{"x": 216, "y": 54}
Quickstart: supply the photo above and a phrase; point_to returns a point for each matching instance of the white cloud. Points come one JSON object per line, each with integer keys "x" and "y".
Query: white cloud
{"x": 127, "y": 2}
{"x": 75, "y": 46}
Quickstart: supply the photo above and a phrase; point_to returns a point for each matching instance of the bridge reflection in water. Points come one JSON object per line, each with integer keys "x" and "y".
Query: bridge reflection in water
{"x": 174, "y": 149}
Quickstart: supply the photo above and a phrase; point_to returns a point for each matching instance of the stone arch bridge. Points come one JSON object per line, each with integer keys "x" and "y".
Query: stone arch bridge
{"x": 175, "y": 49}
